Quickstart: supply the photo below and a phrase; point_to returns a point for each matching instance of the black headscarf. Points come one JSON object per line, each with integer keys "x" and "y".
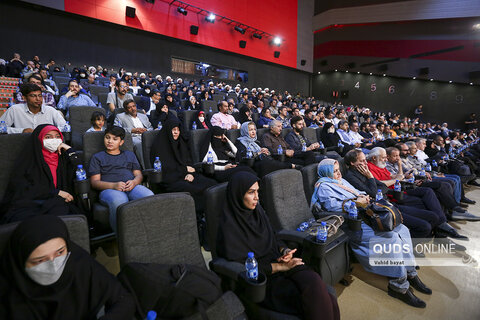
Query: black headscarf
{"x": 329, "y": 139}
{"x": 242, "y": 230}
{"x": 242, "y": 116}
{"x": 33, "y": 181}
{"x": 221, "y": 148}
{"x": 174, "y": 154}
{"x": 81, "y": 291}
{"x": 159, "y": 116}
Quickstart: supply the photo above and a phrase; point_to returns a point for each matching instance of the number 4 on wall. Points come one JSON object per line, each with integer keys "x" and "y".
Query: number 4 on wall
{"x": 357, "y": 85}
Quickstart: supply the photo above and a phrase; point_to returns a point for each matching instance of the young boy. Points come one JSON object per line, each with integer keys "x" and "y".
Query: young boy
{"x": 116, "y": 173}
{"x": 98, "y": 121}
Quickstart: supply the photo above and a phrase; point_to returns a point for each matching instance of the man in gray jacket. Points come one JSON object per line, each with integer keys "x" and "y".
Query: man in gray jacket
{"x": 136, "y": 124}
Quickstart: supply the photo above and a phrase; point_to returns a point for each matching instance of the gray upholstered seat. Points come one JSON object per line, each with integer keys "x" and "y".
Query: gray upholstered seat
{"x": 14, "y": 145}
{"x": 80, "y": 122}
{"x": 148, "y": 137}
{"x": 310, "y": 176}
{"x": 77, "y": 226}
{"x": 310, "y": 134}
{"x": 196, "y": 138}
{"x": 163, "y": 229}
{"x": 96, "y": 90}
{"x": 207, "y": 104}
{"x": 233, "y": 135}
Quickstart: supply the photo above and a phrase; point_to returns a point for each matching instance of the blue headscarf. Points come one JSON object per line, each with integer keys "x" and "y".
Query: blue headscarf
{"x": 246, "y": 140}
{"x": 325, "y": 173}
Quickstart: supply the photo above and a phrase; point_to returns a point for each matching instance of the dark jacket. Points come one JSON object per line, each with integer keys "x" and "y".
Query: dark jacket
{"x": 294, "y": 142}
{"x": 362, "y": 183}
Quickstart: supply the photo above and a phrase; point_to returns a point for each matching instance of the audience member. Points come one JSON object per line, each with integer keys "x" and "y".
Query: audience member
{"x": 73, "y": 98}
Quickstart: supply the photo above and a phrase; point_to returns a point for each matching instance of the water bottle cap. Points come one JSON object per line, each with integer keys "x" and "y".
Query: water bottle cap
{"x": 151, "y": 315}
{"x": 379, "y": 190}
{"x": 396, "y": 181}
{"x": 157, "y": 158}
{"x": 250, "y": 254}
{"x": 323, "y": 223}
{"x": 80, "y": 166}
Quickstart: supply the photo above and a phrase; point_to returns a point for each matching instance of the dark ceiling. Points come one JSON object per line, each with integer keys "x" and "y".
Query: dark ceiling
{"x": 323, "y": 5}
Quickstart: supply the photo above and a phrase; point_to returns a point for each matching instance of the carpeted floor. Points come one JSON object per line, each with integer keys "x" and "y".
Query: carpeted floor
{"x": 456, "y": 290}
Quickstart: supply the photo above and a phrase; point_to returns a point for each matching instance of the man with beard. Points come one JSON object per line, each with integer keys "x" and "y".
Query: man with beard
{"x": 116, "y": 99}
{"x": 73, "y": 98}
{"x": 423, "y": 199}
{"x": 297, "y": 141}
{"x": 135, "y": 123}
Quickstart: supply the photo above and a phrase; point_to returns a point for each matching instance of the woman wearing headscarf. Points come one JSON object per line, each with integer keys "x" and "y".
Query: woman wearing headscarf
{"x": 330, "y": 139}
{"x": 44, "y": 275}
{"x": 178, "y": 174}
{"x": 265, "y": 118}
{"x": 223, "y": 153}
{"x": 244, "y": 227}
{"x": 202, "y": 121}
{"x": 162, "y": 115}
{"x": 264, "y": 163}
{"x": 244, "y": 115}
{"x": 171, "y": 102}
{"x": 43, "y": 179}
{"x": 331, "y": 191}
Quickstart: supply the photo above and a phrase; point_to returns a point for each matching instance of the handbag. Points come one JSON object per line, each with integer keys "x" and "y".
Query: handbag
{"x": 333, "y": 223}
{"x": 381, "y": 215}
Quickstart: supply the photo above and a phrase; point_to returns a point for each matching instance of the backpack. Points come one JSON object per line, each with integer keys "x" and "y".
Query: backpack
{"x": 173, "y": 291}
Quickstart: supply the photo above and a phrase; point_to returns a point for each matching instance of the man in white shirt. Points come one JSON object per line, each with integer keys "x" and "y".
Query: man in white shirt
{"x": 25, "y": 117}
{"x": 421, "y": 155}
{"x": 136, "y": 124}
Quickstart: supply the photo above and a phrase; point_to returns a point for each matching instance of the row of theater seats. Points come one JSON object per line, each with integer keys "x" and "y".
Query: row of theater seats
{"x": 162, "y": 229}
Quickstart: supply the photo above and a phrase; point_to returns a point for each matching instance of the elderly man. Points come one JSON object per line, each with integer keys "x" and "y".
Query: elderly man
{"x": 136, "y": 124}
{"x": 273, "y": 139}
{"x": 422, "y": 198}
{"x": 222, "y": 119}
{"x": 73, "y": 98}
{"x": 27, "y": 116}
{"x": 116, "y": 99}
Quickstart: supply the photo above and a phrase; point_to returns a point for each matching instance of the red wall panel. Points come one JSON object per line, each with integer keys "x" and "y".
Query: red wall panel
{"x": 277, "y": 17}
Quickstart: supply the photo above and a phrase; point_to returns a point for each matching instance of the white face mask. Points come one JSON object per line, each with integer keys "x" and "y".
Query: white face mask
{"x": 52, "y": 144}
{"x": 48, "y": 272}
{"x": 147, "y": 90}
{"x": 201, "y": 119}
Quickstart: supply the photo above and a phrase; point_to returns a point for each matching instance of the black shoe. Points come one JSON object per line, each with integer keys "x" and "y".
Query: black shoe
{"x": 459, "y": 209}
{"x": 443, "y": 240}
{"x": 419, "y": 285}
{"x": 463, "y": 205}
{"x": 467, "y": 201}
{"x": 474, "y": 183}
{"x": 407, "y": 297}
{"x": 298, "y": 167}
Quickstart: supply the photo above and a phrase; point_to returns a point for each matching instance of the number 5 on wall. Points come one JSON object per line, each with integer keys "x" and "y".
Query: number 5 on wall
{"x": 373, "y": 87}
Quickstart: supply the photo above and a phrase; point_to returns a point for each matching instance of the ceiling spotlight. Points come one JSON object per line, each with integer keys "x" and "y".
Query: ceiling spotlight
{"x": 257, "y": 35}
{"x": 277, "y": 41}
{"x": 336, "y": 70}
{"x": 370, "y": 73}
{"x": 346, "y": 71}
{"x": 414, "y": 78}
{"x": 476, "y": 26}
{"x": 182, "y": 11}
{"x": 471, "y": 83}
{"x": 431, "y": 79}
{"x": 384, "y": 74}
{"x": 210, "y": 18}
{"x": 319, "y": 72}
{"x": 241, "y": 30}
{"x": 450, "y": 81}
{"x": 358, "y": 72}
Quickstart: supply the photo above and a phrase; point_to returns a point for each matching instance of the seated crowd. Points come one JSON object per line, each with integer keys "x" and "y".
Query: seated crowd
{"x": 376, "y": 149}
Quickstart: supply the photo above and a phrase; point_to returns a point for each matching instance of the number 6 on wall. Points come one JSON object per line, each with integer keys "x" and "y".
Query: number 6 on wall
{"x": 391, "y": 89}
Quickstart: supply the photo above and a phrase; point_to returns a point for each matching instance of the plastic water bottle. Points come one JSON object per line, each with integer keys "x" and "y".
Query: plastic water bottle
{"x": 151, "y": 315}
{"x": 80, "y": 173}
{"x": 279, "y": 150}
{"x": 379, "y": 195}
{"x": 434, "y": 164}
{"x": 249, "y": 153}
{"x": 322, "y": 233}
{"x": 304, "y": 147}
{"x": 422, "y": 172}
{"x": 100, "y": 104}
{"x": 251, "y": 266}
{"x": 340, "y": 144}
{"x": 67, "y": 127}
{"x": 397, "y": 186}
{"x": 157, "y": 165}
{"x": 194, "y": 126}
{"x": 428, "y": 167}
{"x": 351, "y": 208}
{"x": 10, "y": 102}
{"x": 210, "y": 157}
{"x": 3, "y": 127}
{"x": 305, "y": 225}
{"x": 160, "y": 126}
{"x": 321, "y": 145}
{"x": 210, "y": 109}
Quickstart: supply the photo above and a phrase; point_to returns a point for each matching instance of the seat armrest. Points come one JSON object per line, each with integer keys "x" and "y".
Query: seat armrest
{"x": 292, "y": 236}
{"x": 227, "y": 268}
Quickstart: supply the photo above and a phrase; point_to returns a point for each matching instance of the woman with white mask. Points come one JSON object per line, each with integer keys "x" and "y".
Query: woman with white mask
{"x": 44, "y": 275}
{"x": 42, "y": 180}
